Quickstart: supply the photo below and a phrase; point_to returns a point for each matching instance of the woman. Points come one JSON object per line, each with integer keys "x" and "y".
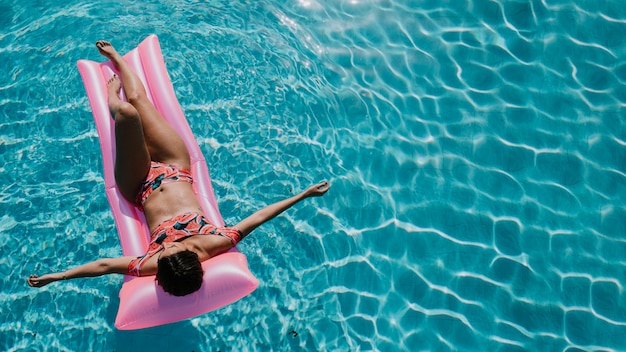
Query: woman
{"x": 152, "y": 171}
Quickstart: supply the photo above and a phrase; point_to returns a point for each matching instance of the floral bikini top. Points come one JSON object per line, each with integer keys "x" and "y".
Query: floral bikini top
{"x": 177, "y": 229}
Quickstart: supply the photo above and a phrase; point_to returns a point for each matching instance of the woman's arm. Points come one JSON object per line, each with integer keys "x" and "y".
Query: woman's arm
{"x": 271, "y": 211}
{"x": 98, "y": 267}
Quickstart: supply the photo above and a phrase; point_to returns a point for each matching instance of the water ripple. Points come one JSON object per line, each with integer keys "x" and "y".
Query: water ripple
{"x": 476, "y": 151}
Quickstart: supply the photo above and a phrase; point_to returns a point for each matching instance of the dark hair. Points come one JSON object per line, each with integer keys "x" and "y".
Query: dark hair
{"x": 180, "y": 273}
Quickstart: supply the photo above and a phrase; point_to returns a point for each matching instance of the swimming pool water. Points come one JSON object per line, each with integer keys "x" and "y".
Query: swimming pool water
{"x": 476, "y": 151}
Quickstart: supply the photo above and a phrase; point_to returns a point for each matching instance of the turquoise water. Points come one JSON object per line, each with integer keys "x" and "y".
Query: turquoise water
{"x": 476, "y": 150}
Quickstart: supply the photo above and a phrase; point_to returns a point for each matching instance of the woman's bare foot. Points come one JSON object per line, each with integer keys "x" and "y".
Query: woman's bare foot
{"x": 107, "y": 50}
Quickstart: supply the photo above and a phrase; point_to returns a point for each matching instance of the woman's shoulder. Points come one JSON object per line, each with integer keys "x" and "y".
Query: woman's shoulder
{"x": 149, "y": 266}
{"x": 208, "y": 245}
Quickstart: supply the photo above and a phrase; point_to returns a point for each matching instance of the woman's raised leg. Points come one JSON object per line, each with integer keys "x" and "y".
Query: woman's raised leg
{"x": 162, "y": 141}
{"x": 132, "y": 159}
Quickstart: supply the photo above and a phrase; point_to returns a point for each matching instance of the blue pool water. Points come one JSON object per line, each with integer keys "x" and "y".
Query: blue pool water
{"x": 476, "y": 150}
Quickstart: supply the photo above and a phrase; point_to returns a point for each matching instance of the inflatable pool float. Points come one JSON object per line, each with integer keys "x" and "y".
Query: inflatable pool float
{"x": 226, "y": 277}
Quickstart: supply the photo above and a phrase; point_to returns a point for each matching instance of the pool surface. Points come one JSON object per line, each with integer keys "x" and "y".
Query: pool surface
{"x": 476, "y": 150}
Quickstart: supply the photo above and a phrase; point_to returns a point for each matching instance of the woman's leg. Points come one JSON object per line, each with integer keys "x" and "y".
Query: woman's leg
{"x": 132, "y": 159}
{"x": 162, "y": 141}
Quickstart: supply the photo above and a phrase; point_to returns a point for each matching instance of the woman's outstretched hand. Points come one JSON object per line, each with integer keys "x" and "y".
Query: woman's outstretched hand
{"x": 253, "y": 221}
{"x": 36, "y": 281}
{"x": 317, "y": 190}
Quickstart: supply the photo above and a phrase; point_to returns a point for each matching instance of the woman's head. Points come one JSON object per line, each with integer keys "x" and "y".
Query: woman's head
{"x": 180, "y": 273}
